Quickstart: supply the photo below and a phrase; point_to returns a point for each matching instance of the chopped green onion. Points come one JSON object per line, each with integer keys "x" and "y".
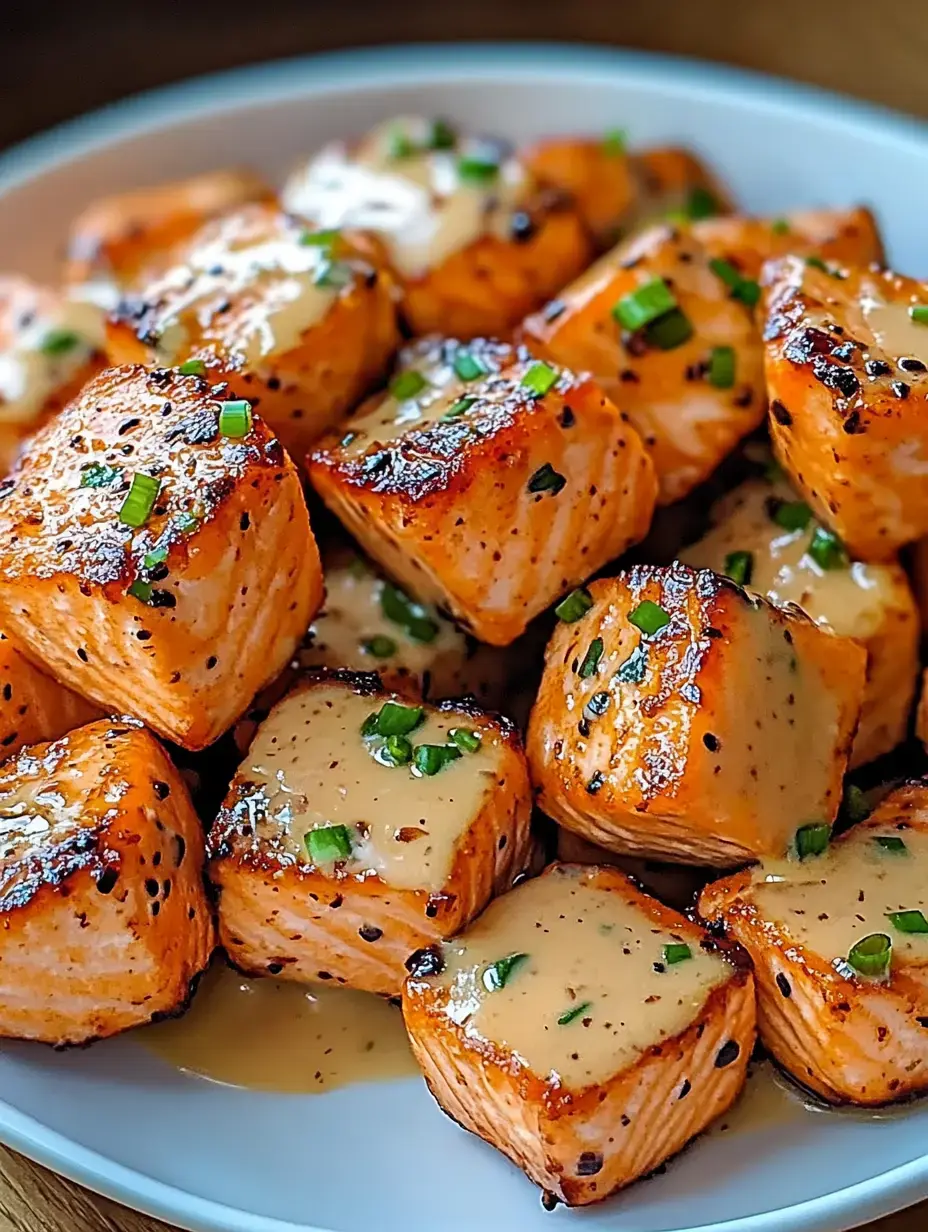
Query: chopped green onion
{"x": 546, "y": 479}
{"x": 827, "y": 550}
{"x": 458, "y": 409}
{"x": 571, "y": 1015}
{"x": 743, "y": 289}
{"x": 739, "y": 566}
{"x": 186, "y": 522}
{"x": 645, "y": 304}
{"x": 157, "y": 556}
{"x": 141, "y": 590}
{"x": 140, "y": 500}
{"x": 591, "y": 659}
{"x": 99, "y": 475}
{"x": 477, "y": 170}
{"x": 407, "y": 385}
{"x": 890, "y": 842}
{"x": 328, "y": 844}
{"x": 780, "y": 226}
{"x": 395, "y": 751}
{"x": 442, "y": 136}
{"x": 632, "y": 671}
{"x": 701, "y": 203}
{"x": 676, "y": 952}
{"x": 498, "y": 974}
{"x": 649, "y": 617}
{"x": 318, "y": 239}
{"x": 466, "y": 739}
{"x": 393, "y": 719}
{"x": 575, "y": 605}
{"x": 539, "y": 379}
{"x": 854, "y": 806}
{"x": 399, "y": 144}
{"x": 412, "y": 617}
{"x": 235, "y": 419}
{"x": 722, "y": 367}
{"x": 615, "y": 141}
{"x": 192, "y": 367}
{"x": 333, "y": 274}
{"x": 816, "y": 262}
{"x": 59, "y": 342}
{"x": 812, "y": 840}
{"x": 908, "y": 921}
{"x": 792, "y": 515}
{"x": 430, "y": 759}
{"x": 379, "y": 646}
{"x": 871, "y": 956}
{"x": 919, "y": 314}
{"x": 467, "y": 366}
{"x": 774, "y": 472}
{"x": 669, "y": 331}
{"x": 369, "y": 726}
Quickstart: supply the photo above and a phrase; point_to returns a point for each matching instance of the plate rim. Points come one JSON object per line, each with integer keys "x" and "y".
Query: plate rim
{"x": 368, "y": 68}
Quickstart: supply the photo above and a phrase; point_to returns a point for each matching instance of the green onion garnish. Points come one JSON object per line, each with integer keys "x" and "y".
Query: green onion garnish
{"x": 498, "y": 974}
{"x": 854, "y": 805}
{"x": 458, "y": 409}
{"x": 908, "y": 921}
{"x": 546, "y": 479}
{"x": 890, "y": 842}
{"x": 442, "y": 136}
{"x": 399, "y": 145}
{"x": 632, "y": 671}
{"x": 333, "y": 274}
{"x": 466, "y": 739}
{"x": 412, "y": 617}
{"x": 871, "y": 956}
{"x": 591, "y": 659}
{"x": 816, "y": 262}
{"x": 722, "y": 367}
{"x": 701, "y": 203}
{"x": 379, "y": 646}
{"x": 192, "y": 367}
{"x": 744, "y": 289}
{"x": 676, "y": 952}
{"x": 812, "y": 840}
{"x": 792, "y": 515}
{"x": 780, "y": 226}
{"x": 615, "y": 141}
{"x": 571, "y": 1015}
{"x": 467, "y": 366}
{"x": 539, "y": 379}
{"x": 141, "y": 590}
{"x": 430, "y": 759}
{"x": 395, "y": 751}
{"x": 575, "y": 605}
{"x": 99, "y": 475}
{"x": 669, "y": 331}
{"x": 407, "y": 385}
{"x": 186, "y": 522}
{"x": 328, "y": 844}
{"x": 648, "y": 617}
{"x": 393, "y": 719}
{"x": 157, "y": 556}
{"x": 477, "y": 170}
{"x": 235, "y": 418}
{"x": 827, "y": 550}
{"x": 59, "y": 342}
{"x": 739, "y": 566}
{"x": 140, "y": 500}
{"x": 318, "y": 239}
{"x": 919, "y": 314}
{"x": 645, "y": 304}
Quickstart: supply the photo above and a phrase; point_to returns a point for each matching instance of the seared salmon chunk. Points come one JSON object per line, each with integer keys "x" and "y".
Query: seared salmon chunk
{"x": 847, "y": 373}
{"x": 101, "y": 886}
{"x": 768, "y": 540}
{"x": 33, "y": 706}
{"x": 681, "y": 718}
{"x": 155, "y": 551}
{"x": 473, "y": 241}
{"x": 487, "y": 482}
{"x": 839, "y": 942}
{"x": 362, "y": 827}
{"x": 298, "y": 320}
{"x": 582, "y": 1029}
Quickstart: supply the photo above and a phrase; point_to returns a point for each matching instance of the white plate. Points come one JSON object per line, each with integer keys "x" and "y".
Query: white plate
{"x": 381, "y": 1158}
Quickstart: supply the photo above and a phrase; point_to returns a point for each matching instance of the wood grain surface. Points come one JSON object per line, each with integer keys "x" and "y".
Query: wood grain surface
{"x": 60, "y": 59}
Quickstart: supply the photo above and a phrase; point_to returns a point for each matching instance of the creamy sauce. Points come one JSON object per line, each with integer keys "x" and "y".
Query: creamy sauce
{"x": 894, "y": 331}
{"x": 418, "y": 204}
{"x": 32, "y": 368}
{"x": 270, "y": 1035}
{"x": 319, "y": 771}
{"x": 586, "y": 947}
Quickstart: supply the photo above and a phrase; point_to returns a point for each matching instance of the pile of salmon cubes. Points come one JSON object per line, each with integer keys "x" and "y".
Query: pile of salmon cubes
{"x": 498, "y": 371}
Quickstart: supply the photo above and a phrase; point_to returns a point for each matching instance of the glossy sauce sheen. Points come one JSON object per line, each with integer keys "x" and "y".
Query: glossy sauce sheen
{"x": 893, "y": 329}
{"x": 319, "y": 771}
{"x": 29, "y": 375}
{"x": 584, "y": 945}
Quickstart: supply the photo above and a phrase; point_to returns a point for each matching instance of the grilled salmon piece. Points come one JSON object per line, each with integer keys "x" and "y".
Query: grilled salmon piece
{"x": 765, "y": 538}
{"x": 155, "y": 551}
{"x": 297, "y": 319}
{"x": 491, "y": 492}
{"x": 33, "y": 706}
{"x": 839, "y": 943}
{"x": 683, "y": 719}
{"x": 847, "y": 372}
{"x": 104, "y": 921}
{"x": 363, "y": 827}
{"x": 49, "y": 347}
{"x": 119, "y": 240}
{"x": 581, "y": 1028}
{"x": 669, "y": 334}
{"x": 473, "y": 241}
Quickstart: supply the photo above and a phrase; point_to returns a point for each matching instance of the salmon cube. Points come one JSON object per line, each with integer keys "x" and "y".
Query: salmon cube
{"x": 669, "y": 334}
{"x": 33, "y": 706}
{"x": 839, "y": 943}
{"x": 583, "y": 1029}
{"x": 299, "y": 320}
{"x": 767, "y": 539}
{"x": 101, "y": 887}
{"x": 49, "y": 347}
{"x": 681, "y": 718}
{"x": 487, "y": 482}
{"x": 361, "y": 828}
{"x": 155, "y": 551}
{"x": 117, "y": 241}
{"x": 847, "y": 371}
{"x": 474, "y": 242}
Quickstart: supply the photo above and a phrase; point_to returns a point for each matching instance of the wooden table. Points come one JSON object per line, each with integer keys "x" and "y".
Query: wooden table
{"x": 61, "y": 59}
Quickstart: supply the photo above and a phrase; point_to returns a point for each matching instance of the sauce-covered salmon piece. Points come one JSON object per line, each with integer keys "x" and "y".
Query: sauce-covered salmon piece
{"x": 34, "y": 707}
{"x": 839, "y": 942}
{"x": 681, "y": 718}
{"x": 767, "y": 539}
{"x": 362, "y": 827}
{"x": 474, "y": 242}
{"x": 155, "y": 551}
{"x": 104, "y": 921}
{"x": 299, "y": 320}
{"x": 847, "y": 372}
{"x": 487, "y": 482}
{"x": 581, "y": 1028}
